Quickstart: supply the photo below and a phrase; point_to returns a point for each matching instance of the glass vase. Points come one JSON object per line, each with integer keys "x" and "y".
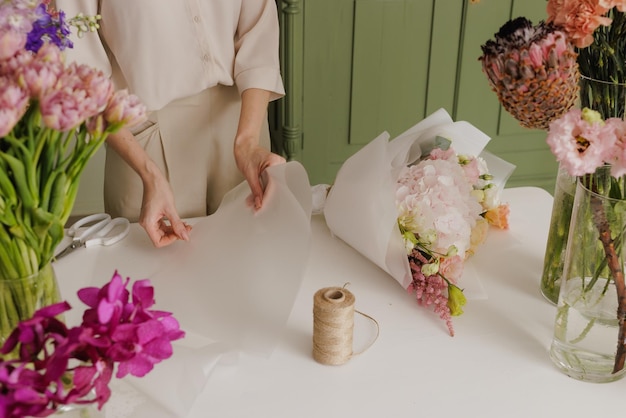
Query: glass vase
{"x": 588, "y": 341}
{"x": 20, "y": 298}
{"x": 557, "y": 235}
{"x": 608, "y": 98}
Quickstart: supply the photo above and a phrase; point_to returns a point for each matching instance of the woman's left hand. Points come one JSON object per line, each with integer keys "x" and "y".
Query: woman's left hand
{"x": 252, "y": 160}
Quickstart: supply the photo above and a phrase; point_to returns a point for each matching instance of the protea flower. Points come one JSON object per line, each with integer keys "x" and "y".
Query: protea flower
{"x": 533, "y": 70}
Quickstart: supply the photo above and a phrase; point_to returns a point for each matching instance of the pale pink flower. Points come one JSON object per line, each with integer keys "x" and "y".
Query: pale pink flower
{"x": 50, "y": 52}
{"x": 13, "y": 104}
{"x": 42, "y": 72}
{"x": 580, "y": 146}
{"x": 452, "y": 268}
{"x": 437, "y": 196}
{"x": 14, "y": 65}
{"x": 81, "y": 92}
{"x": 124, "y": 108}
{"x": 578, "y": 18}
{"x": 10, "y": 43}
{"x": 617, "y": 156}
{"x": 441, "y": 154}
{"x": 63, "y": 109}
{"x": 97, "y": 86}
{"x": 472, "y": 170}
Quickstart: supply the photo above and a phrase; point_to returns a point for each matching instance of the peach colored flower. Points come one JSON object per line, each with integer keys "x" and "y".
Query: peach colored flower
{"x": 499, "y": 216}
{"x": 579, "y": 18}
{"x": 609, "y": 4}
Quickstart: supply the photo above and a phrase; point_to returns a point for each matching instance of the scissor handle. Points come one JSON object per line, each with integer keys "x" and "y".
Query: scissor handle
{"x": 100, "y": 219}
{"x": 101, "y": 236}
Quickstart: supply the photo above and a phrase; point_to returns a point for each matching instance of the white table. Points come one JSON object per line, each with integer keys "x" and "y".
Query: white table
{"x": 497, "y": 364}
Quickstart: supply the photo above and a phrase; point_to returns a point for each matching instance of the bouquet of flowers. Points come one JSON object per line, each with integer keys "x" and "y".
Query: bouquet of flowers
{"x": 58, "y": 366}
{"x": 446, "y": 203}
{"x": 53, "y": 118}
{"x": 417, "y": 206}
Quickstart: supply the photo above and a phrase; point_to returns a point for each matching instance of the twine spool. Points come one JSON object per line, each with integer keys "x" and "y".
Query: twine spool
{"x": 333, "y": 325}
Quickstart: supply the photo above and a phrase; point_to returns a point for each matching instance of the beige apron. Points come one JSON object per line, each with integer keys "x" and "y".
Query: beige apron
{"x": 191, "y": 141}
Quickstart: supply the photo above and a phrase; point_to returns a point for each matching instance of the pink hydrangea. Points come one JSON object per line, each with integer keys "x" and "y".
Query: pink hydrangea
{"x": 436, "y": 195}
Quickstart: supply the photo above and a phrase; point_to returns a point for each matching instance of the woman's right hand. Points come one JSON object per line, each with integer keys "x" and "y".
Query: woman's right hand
{"x": 159, "y": 216}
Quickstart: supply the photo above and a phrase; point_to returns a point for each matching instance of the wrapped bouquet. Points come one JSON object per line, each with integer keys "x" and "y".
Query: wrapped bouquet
{"x": 417, "y": 206}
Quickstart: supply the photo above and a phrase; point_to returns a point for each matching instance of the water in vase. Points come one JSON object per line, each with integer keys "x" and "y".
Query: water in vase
{"x": 586, "y": 331}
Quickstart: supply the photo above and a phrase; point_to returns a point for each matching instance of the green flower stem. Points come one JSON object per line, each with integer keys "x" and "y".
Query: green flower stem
{"x": 20, "y": 298}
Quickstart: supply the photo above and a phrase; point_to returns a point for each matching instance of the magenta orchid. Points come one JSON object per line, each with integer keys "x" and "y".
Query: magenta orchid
{"x": 57, "y": 365}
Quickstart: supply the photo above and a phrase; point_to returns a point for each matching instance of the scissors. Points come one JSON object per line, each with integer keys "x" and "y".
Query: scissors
{"x": 97, "y": 232}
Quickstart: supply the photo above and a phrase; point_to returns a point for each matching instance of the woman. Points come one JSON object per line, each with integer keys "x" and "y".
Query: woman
{"x": 206, "y": 70}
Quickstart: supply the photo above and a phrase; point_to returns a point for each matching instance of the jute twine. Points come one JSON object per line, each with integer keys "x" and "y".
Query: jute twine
{"x": 333, "y": 325}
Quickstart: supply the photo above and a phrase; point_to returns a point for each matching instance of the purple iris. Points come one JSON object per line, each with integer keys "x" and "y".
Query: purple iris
{"x": 50, "y": 28}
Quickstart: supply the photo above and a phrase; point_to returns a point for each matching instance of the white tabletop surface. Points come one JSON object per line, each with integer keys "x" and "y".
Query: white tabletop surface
{"x": 497, "y": 364}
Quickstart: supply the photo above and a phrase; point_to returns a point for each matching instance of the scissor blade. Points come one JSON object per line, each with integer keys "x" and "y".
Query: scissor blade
{"x": 68, "y": 250}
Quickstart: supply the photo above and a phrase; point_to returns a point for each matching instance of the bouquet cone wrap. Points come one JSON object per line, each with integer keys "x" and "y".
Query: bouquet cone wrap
{"x": 360, "y": 207}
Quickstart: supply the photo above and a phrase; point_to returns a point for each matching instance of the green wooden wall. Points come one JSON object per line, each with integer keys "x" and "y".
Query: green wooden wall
{"x": 355, "y": 68}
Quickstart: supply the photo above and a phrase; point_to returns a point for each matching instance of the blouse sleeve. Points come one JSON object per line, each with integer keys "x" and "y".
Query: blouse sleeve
{"x": 257, "y": 62}
{"x": 87, "y": 49}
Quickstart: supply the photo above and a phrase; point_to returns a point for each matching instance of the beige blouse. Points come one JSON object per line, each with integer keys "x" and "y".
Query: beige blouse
{"x": 163, "y": 50}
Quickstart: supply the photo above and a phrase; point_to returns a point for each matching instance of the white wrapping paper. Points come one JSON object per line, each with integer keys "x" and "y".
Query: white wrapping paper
{"x": 243, "y": 268}
{"x": 242, "y": 272}
{"x": 360, "y": 207}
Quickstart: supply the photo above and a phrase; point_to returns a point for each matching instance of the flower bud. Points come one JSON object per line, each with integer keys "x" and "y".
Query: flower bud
{"x": 456, "y": 300}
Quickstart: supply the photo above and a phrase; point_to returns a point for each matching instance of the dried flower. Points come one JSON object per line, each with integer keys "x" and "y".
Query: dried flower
{"x": 533, "y": 70}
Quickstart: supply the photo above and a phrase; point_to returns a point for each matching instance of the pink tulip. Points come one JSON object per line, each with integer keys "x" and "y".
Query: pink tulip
{"x": 13, "y": 103}
{"x": 41, "y": 74}
{"x": 125, "y": 108}
{"x": 62, "y": 110}
{"x": 10, "y": 43}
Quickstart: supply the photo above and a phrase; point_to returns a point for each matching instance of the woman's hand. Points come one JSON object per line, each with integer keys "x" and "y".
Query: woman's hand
{"x": 252, "y": 160}
{"x": 158, "y": 214}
